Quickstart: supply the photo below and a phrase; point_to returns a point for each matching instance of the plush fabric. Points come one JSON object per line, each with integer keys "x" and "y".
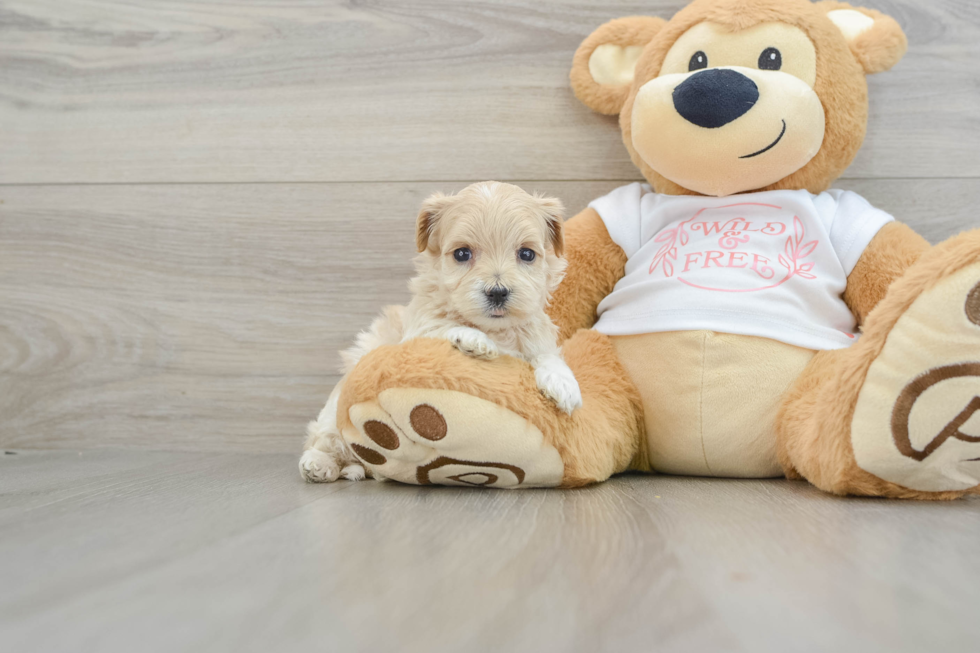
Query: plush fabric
{"x": 882, "y": 417}
{"x": 447, "y": 437}
{"x": 621, "y": 33}
{"x": 595, "y": 264}
{"x": 890, "y": 254}
{"x": 840, "y": 84}
{"x": 814, "y": 425}
{"x": 599, "y": 439}
{"x": 881, "y": 46}
{"x": 711, "y": 399}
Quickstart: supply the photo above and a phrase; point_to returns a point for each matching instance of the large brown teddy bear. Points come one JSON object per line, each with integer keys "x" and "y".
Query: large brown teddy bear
{"x": 733, "y": 317}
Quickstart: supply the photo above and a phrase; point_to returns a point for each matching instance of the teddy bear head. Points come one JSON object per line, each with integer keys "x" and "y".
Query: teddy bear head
{"x": 732, "y": 96}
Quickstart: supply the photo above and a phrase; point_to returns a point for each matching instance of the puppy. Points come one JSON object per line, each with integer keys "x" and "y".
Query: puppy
{"x": 490, "y": 257}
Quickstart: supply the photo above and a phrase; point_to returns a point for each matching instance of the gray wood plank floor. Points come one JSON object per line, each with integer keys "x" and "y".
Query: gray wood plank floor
{"x": 153, "y": 551}
{"x": 200, "y": 202}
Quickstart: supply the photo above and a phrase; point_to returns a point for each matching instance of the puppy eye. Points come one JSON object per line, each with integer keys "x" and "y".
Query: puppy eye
{"x": 698, "y": 61}
{"x": 526, "y": 255}
{"x": 771, "y": 59}
{"x": 462, "y": 255}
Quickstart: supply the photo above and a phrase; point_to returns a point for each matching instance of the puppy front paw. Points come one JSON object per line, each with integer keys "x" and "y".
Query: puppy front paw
{"x": 326, "y": 467}
{"x": 473, "y": 342}
{"x": 557, "y": 382}
{"x": 353, "y": 472}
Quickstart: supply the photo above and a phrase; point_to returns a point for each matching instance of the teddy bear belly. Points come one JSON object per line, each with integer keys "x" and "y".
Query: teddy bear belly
{"x": 710, "y": 399}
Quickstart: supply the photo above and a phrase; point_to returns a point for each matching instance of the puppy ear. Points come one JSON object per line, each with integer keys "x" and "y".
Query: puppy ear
{"x": 554, "y": 212}
{"x": 429, "y": 215}
{"x": 602, "y": 71}
{"x": 877, "y": 40}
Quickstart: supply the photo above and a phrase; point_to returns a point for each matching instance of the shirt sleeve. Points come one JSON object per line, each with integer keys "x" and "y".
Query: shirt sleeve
{"x": 854, "y": 226}
{"x": 620, "y": 211}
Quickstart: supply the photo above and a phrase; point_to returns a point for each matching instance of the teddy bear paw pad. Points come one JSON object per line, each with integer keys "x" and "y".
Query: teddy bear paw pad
{"x": 917, "y": 420}
{"x": 444, "y": 437}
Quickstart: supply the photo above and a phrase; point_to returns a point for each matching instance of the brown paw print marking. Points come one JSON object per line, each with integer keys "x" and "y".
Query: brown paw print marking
{"x": 476, "y": 478}
{"x": 914, "y": 390}
{"x": 428, "y": 422}
{"x": 368, "y": 455}
{"x": 422, "y": 473}
{"x": 973, "y": 305}
{"x": 382, "y": 434}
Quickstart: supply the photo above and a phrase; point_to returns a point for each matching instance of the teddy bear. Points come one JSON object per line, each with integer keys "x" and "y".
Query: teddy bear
{"x": 732, "y": 317}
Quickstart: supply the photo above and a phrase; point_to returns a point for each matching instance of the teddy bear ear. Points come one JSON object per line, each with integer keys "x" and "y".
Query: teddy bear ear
{"x": 602, "y": 71}
{"x": 877, "y": 40}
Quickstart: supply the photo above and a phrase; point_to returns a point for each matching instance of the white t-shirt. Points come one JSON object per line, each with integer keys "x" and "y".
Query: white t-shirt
{"x": 771, "y": 264}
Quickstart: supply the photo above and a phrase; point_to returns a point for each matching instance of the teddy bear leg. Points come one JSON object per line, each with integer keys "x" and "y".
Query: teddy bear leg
{"x": 898, "y": 414}
{"x": 423, "y": 413}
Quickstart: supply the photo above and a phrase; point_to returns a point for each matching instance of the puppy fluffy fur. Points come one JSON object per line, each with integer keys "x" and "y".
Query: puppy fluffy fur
{"x": 490, "y": 258}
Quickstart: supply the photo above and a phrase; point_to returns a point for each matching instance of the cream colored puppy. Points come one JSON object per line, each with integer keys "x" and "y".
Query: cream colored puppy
{"x": 490, "y": 257}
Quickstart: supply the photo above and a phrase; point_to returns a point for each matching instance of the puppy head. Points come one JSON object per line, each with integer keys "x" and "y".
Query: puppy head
{"x": 493, "y": 252}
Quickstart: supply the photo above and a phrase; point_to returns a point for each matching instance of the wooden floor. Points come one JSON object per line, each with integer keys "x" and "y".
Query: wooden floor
{"x": 201, "y": 202}
{"x": 153, "y": 551}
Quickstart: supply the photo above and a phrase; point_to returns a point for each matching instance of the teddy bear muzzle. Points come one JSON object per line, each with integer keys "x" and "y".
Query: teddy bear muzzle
{"x": 729, "y": 130}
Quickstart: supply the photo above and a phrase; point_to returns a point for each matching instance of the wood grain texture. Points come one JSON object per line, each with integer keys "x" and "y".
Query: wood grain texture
{"x": 196, "y": 316}
{"x": 164, "y": 284}
{"x": 222, "y": 552}
{"x": 208, "y": 317}
{"x": 254, "y": 91}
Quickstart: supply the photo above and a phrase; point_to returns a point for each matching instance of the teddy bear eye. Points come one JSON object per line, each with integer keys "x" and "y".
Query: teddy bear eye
{"x": 698, "y": 62}
{"x": 770, "y": 59}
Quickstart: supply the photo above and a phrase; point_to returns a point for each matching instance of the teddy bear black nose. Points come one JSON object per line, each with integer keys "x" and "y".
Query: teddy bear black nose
{"x": 715, "y": 97}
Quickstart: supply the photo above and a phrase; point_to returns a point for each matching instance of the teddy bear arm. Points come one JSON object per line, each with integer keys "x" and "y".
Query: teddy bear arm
{"x": 595, "y": 264}
{"x": 888, "y": 256}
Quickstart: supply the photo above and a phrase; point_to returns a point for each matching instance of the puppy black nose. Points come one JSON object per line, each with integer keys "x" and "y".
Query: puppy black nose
{"x": 715, "y": 97}
{"x": 497, "y": 295}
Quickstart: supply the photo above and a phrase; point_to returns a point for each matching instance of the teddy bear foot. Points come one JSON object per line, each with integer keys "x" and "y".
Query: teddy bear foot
{"x": 917, "y": 419}
{"x": 444, "y": 437}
